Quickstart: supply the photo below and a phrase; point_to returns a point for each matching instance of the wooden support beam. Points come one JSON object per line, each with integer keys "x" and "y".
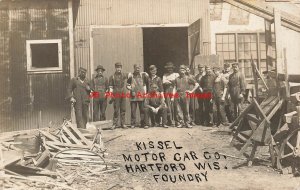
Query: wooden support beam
{"x": 265, "y": 11}
{"x": 279, "y": 40}
{"x": 71, "y": 38}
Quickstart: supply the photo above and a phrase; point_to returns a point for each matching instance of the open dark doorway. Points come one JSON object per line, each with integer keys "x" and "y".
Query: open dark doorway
{"x": 164, "y": 44}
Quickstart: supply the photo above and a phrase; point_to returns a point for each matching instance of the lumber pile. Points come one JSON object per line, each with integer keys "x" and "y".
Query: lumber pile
{"x": 59, "y": 158}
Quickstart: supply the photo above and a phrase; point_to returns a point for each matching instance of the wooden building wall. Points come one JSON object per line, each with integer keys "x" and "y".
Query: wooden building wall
{"x": 24, "y": 94}
{"x": 133, "y": 12}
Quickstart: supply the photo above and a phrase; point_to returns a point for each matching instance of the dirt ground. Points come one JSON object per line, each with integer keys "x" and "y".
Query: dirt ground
{"x": 233, "y": 173}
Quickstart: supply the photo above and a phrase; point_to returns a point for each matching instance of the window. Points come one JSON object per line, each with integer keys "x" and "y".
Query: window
{"x": 44, "y": 55}
{"x": 226, "y": 47}
{"x": 240, "y": 47}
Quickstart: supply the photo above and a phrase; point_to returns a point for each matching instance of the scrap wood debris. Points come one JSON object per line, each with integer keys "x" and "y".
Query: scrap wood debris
{"x": 46, "y": 159}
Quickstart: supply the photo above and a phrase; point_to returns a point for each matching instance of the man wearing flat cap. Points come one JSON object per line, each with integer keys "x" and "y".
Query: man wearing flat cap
{"x": 117, "y": 86}
{"x": 137, "y": 84}
{"x": 236, "y": 87}
{"x": 198, "y": 77}
{"x": 100, "y": 85}
{"x": 182, "y": 84}
{"x": 168, "y": 84}
{"x": 206, "y": 84}
{"x": 220, "y": 90}
{"x": 78, "y": 93}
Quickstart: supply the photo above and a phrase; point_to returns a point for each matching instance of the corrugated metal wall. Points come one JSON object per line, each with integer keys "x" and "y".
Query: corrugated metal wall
{"x": 24, "y": 94}
{"x": 127, "y": 12}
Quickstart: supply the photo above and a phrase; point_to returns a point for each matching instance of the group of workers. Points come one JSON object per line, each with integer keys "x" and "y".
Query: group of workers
{"x": 167, "y": 101}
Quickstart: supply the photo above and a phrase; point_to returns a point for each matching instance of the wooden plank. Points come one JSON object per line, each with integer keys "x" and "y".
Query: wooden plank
{"x": 255, "y": 77}
{"x": 82, "y": 137}
{"x": 262, "y": 133}
{"x": 260, "y": 111}
{"x": 71, "y": 135}
{"x": 267, "y": 109}
{"x": 63, "y": 136}
{"x": 262, "y": 78}
{"x": 253, "y": 118}
{"x": 49, "y": 136}
{"x": 53, "y": 146}
{"x": 77, "y": 156}
{"x": 65, "y": 145}
{"x": 242, "y": 115}
{"x": 275, "y": 109}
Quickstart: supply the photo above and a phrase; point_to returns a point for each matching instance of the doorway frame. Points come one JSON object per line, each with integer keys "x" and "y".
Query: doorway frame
{"x": 92, "y": 27}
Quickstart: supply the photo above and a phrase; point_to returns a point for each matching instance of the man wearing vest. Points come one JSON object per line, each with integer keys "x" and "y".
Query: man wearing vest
{"x": 117, "y": 85}
{"x": 182, "y": 84}
{"x": 78, "y": 93}
{"x": 168, "y": 84}
{"x": 137, "y": 84}
{"x": 100, "y": 86}
{"x": 155, "y": 107}
{"x": 198, "y": 78}
{"x": 206, "y": 84}
{"x": 236, "y": 87}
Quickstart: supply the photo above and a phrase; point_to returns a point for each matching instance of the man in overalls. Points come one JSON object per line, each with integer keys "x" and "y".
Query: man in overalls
{"x": 220, "y": 90}
{"x": 206, "y": 84}
{"x": 198, "y": 78}
{"x": 117, "y": 85}
{"x": 182, "y": 84}
{"x": 137, "y": 86}
{"x": 100, "y": 86}
{"x": 78, "y": 93}
{"x": 155, "y": 107}
{"x": 236, "y": 87}
{"x": 228, "y": 104}
{"x": 168, "y": 84}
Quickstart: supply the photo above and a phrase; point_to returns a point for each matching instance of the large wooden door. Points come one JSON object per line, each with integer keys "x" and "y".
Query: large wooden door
{"x": 111, "y": 45}
{"x": 194, "y": 41}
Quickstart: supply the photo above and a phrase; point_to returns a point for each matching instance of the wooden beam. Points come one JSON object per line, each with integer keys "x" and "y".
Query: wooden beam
{"x": 287, "y": 84}
{"x": 71, "y": 39}
{"x": 265, "y": 11}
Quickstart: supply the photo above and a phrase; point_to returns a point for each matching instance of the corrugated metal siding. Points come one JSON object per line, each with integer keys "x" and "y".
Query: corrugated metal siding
{"x": 30, "y": 93}
{"x": 128, "y": 12}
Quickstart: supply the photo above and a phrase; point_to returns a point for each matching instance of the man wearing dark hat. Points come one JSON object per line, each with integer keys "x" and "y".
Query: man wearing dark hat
{"x": 100, "y": 85}
{"x": 198, "y": 77}
{"x": 220, "y": 90}
{"x": 117, "y": 86}
{"x": 182, "y": 84}
{"x": 155, "y": 107}
{"x": 137, "y": 84}
{"x": 78, "y": 93}
{"x": 153, "y": 78}
{"x": 168, "y": 84}
{"x": 206, "y": 83}
{"x": 228, "y": 104}
{"x": 236, "y": 87}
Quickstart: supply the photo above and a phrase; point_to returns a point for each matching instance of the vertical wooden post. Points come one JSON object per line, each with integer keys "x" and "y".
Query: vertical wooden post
{"x": 269, "y": 48}
{"x": 287, "y": 85}
{"x": 71, "y": 38}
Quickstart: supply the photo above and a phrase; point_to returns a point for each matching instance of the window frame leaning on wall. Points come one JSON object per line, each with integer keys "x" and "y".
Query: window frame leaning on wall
{"x": 33, "y": 70}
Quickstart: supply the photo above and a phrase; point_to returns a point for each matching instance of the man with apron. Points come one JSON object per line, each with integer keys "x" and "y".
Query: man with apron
{"x": 228, "y": 104}
{"x": 100, "y": 86}
{"x": 137, "y": 86}
{"x": 168, "y": 84}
